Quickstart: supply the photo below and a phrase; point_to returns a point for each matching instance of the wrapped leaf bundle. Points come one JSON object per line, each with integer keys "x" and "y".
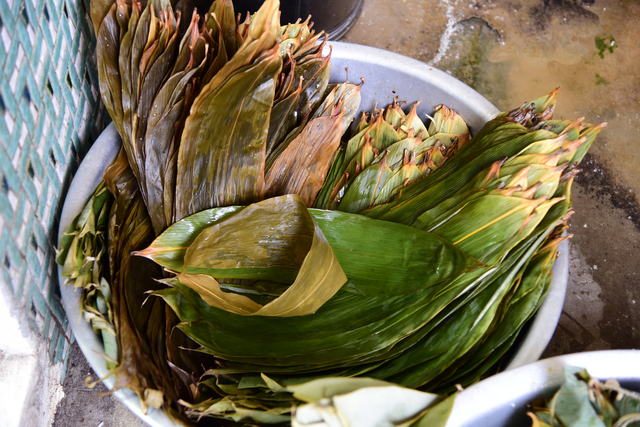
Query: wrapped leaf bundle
{"x": 253, "y": 248}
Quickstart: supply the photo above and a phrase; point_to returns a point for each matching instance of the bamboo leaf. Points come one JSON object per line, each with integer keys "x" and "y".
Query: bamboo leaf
{"x": 226, "y": 17}
{"x": 272, "y": 234}
{"x": 366, "y": 187}
{"x": 437, "y": 415}
{"x": 140, "y": 328}
{"x": 379, "y": 404}
{"x": 98, "y": 10}
{"x": 302, "y": 164}
{"x": 411, "y": 123}
{"x": 315, "y": 390}
{"x": 107, "y": 46}
{"x": 312, "y": 287}
{"x": 445, "y": 120}
{"x": 283, "y": 119}
{"x": 223, "y": 146}
{"x": 372, "y": 269}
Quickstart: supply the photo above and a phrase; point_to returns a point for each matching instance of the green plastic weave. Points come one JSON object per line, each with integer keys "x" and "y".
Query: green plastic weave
{"x": 49, "y": 115}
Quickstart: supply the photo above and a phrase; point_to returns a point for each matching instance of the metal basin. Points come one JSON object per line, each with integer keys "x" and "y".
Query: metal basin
{"x": 501, "y": 400}
{"x": 387, "y": 75}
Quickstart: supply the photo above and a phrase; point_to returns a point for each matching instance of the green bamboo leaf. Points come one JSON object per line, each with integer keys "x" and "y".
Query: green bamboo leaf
{"x": 98, "y": 10}
{"x": 326, "y": 197}
{"x": 400, "y": 272}
{"x": 394, "y": 115}
{"x": 531, "y": 285}
{"x": 433, "y": 337}
{"x": 362, "y": 192}
{"x": 589, "y": 135}
{"x": 363, "y": 122}
{"x": 383, "y": 138}
{"x": 483, "y": 233}
{"x": 224, "y": 334}
{"x": 446, "y": 120}
{"x": 412, "y": 124}
{"x": 397, "y": 153}
{"x": 375, "y": 321}
{"x": 296, "y": 244}
{"x": 404, "y": 176}
{"x": 532, "y": 113}
{"x": 441, "y": 348}
{"x": 448, "y": 142}
{"x": 379, "y": 135}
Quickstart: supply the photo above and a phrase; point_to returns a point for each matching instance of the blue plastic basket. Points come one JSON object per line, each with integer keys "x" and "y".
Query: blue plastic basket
{"x": 49, "y": 114}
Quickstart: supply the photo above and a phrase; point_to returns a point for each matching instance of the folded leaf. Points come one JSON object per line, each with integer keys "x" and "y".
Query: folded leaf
{"x": 260, "y": 242}
{"x": 312, "y": 287}
{"x": 386, "y": 259}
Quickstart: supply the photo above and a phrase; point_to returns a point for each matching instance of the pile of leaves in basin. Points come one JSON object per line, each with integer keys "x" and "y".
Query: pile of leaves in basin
{"x": 586, "y": 401}
{"x": 251, "y": 236}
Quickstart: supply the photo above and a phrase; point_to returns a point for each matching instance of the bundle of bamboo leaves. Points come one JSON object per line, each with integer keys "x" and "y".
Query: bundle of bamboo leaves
{"x": 242, "y": 245}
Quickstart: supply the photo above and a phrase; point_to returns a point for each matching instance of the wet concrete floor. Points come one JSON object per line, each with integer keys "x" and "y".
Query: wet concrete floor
{"x": 513, "y": 51}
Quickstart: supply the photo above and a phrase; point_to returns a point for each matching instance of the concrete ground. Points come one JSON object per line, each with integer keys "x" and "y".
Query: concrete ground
{"x": 512, "y": 51}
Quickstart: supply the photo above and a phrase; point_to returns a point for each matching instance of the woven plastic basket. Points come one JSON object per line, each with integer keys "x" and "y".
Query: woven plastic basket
{"x": 49, "y": 115}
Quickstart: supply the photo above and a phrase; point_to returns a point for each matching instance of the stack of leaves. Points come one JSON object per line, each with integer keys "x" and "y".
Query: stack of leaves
{"x": 82, "y": 255}
{"x": 205, "y": 106}
{"x": 390, "y": 150}
{"x": 585, "y": 401}
{"x": 429, "y": 304}
{"x": 251, "y": 249}
{"x": 212, "y": 110}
